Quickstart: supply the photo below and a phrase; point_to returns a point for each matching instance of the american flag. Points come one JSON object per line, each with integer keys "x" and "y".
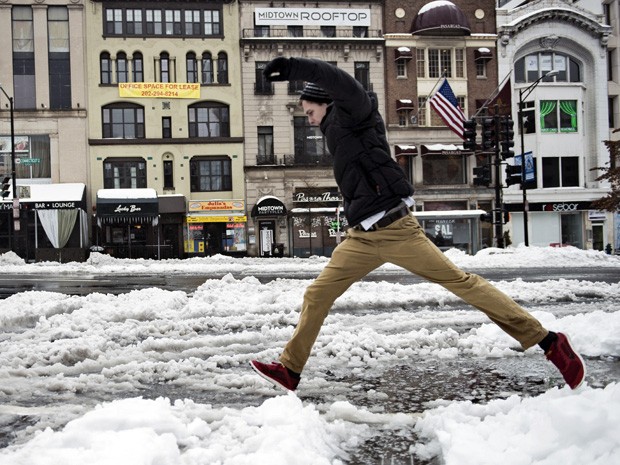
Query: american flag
{"x": 447, "y": 107}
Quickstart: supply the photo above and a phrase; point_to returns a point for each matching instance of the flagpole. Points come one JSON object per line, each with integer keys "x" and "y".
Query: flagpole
{"x": 443, "y": 74}
{"x": 494, "y": 94}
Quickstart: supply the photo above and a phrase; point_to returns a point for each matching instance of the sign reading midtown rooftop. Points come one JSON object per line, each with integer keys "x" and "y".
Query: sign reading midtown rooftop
{"x": 311, "y": 17}
{"x": 159, "y": 90}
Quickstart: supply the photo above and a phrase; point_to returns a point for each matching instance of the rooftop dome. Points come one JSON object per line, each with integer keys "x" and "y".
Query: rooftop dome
{"x": 440, "y": 17}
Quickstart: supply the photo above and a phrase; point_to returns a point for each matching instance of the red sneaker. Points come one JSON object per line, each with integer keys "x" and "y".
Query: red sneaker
{"x": 277, "y": 374}
{"x": 569, "y": 362}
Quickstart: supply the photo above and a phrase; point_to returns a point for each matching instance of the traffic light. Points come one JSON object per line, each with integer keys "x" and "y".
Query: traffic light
{"x": 469, "y": 134}
{"x": 482, "y": 176}
{"x": 489, "y": 137}
{"x": 513, "y": 174}
{"x": 6, "y": 186}
{"x": 507, "y": 137}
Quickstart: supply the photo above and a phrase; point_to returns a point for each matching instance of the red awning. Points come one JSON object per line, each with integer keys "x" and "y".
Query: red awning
{"x": 483, "y": 53}
{"x": 402, "y": 150}
{"x": 404, "y": 104}
{"x": 403, "y": 53}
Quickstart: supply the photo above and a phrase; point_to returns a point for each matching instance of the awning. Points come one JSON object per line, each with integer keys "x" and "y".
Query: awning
{"x": 269, "y": 206}
{"x": 64, "y": 196}
{"x": 172, "y": 203}
{"x": 403, "y": 53}
{"x": 483, "y": 53}
{"x": 441, "y": 149}
{"x": 127, "y": 206}
{"x": 404, "y": 104}
{"x": 410, "y": 150}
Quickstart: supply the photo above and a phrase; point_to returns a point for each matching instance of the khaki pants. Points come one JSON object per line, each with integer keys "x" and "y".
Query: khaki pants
{"x": 402, "y": 243}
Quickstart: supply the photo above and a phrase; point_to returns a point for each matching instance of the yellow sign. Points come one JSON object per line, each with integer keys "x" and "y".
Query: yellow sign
{"x": 217, "y": 219}
{"x": 216, "y": 205}
{"x": 159, "y": 89}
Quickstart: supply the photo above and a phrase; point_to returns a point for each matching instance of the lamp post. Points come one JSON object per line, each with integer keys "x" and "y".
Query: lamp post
{"x": 523, "y": 94}
{"x": 13, "y": 177}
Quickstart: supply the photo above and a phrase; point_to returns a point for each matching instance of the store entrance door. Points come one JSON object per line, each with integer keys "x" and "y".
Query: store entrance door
{"x": 267, "y": 234}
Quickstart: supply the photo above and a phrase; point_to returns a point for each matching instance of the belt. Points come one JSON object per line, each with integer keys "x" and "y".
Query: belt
{"x": 387, "y": 220}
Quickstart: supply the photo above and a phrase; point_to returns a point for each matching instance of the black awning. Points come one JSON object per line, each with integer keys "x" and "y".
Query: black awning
{"x": 111, "y": 210}
{"x": 404, "y": 104}
{"x": 269, "y": 206}
{"x": 483, "y": 53}
{"x": 410, "y": 150}
{"x": 403, "y": 53}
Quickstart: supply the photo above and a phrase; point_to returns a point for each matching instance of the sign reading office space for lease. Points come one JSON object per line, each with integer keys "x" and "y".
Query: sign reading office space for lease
{"x": 311, "y": 17}
{"x": 159, "y": 90}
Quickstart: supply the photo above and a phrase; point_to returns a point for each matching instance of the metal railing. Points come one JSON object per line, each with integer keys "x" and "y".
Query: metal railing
{"x": 311, "y": 33}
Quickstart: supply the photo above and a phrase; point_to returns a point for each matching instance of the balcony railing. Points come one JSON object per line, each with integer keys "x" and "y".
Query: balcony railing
{"x": 294, "y": 160}
{"x": 311, "y": 33}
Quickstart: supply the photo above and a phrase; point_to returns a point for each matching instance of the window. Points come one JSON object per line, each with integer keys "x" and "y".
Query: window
{"x": 420, "y": 62}
{"x": 296, "y": 86}
{"x": 328, "y": 31}
{"x": 560, "y": 172}
{"x": 123, "y": 121}
{"x": 360, "y": 31}
{"x": 59, "y": 58}
{"x": 164, "y": 67}
{"x": 533, "y": 66}
{"x": 401, "y": 68}
{"x": 362, "y": 73}
{"x": 33, "y": 153}
{"x": 222, "y": 68}
{"x": 213, "y": 24}
{"x": 529, "y": 117}
{"x": 421, "y": 111}
{"x": 192, "y": 67}
{"x": 124, "y": 173}
{"x": 24, "y": 89}
{"x": 459, "y": 62}
{"x": 154, "y": 23}
{"x": 168, "y": 174}
{"x": 310, "y": 147}
{"x": 481, "y": 68}
{"x": 134, "y": 21}
{"x": 261, "y": 31}
{"x": 439, "y": 169}
{"x": 611, "y": 105}
{"x": 295, "y": 31}
{"x": 172, "y": 22}
{"x": 262, "y": 86}
{"x": 105, "y": 65}
{"x": 558, "y": 115}
{"x": 113, "y": 21}
{"x": 210, "y": 174}
{"x": 138, "y": 67}
{"x": 439, "y": 60}
{"x": 265, "y": 155}
{"x": 610, "y": 65}
{"x": 209, "y": 119}
{"x": 122, "y": 72}
{"x": 166, "y": 127}
{"x": 207, "y": 68}
{"x": 192, "y": 23}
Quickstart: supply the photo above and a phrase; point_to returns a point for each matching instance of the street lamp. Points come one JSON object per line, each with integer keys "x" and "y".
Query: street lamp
{"x": 523, "y": 94}
{"x": 13, "y": 176}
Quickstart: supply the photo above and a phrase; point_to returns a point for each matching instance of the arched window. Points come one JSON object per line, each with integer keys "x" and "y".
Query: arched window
{"x": 192, "y": 67}
{"x": 207, "y": 68}
{"x": 209, "y": 119}
{"x": 138, "y": 67}
{"x": 122, "y": 121}
{"x": 222, "y": 68}
{"x": 535, "y": 65}
{"x": 164, "y": 67}
{"x": 105, "y": 65}
{"x": 122, "y": 71}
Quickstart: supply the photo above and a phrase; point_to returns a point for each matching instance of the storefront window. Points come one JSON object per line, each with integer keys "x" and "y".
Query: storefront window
{"x": 32, "y": 154}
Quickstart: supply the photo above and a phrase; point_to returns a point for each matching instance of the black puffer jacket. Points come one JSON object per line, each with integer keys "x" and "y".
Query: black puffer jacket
{"x": 369, "y": 179}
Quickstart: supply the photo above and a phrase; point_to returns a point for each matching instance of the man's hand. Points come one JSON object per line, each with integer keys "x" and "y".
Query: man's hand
{"x": 277, "y": 69}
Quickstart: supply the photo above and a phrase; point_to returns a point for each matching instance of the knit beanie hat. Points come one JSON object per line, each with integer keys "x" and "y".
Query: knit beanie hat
{"x": 314, "y": 93}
